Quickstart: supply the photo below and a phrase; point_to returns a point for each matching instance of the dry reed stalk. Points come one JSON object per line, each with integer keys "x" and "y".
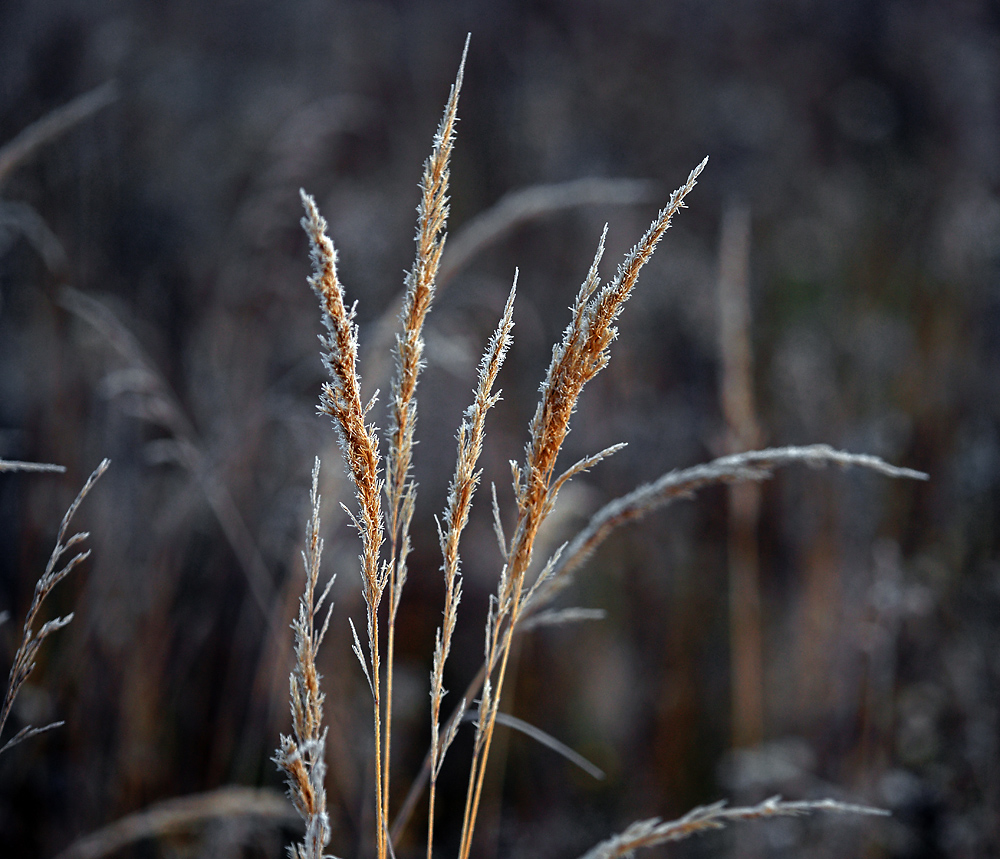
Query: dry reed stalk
{"x": 31, "y": 641}
{"x": 460, "y": 494}
{"x": 582, "y": 354}
{"x": 743, "y": 432}
{"x": 432, "y": 219}
{"x": 302, "y": 756}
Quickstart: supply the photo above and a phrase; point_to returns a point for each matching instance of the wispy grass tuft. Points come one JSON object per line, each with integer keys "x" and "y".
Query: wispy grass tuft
{"x": 31, "y": 641}
{"x": 518, "y": 604}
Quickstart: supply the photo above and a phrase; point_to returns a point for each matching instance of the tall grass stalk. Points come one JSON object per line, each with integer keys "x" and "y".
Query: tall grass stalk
{"x": 432, "y": 218}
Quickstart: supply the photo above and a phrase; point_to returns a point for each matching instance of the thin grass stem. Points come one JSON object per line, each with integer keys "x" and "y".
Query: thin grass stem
{"x": 432, "y": 219}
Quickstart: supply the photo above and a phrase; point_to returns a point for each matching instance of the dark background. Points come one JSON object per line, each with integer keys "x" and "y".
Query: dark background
{"x": 864, "y": 137}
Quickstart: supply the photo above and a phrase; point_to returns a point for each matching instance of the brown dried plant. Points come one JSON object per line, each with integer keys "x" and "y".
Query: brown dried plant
{"x": 517, "y": 604}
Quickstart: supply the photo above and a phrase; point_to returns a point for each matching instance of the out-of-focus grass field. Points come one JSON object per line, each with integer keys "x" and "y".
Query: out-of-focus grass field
{"x": 864, "y": 138}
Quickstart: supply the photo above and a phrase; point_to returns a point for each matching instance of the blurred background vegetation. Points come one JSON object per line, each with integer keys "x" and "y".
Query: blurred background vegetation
{"x": 863, "y": 138}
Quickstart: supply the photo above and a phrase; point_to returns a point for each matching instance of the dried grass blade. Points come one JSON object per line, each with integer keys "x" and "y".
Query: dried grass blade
{"x": 547, "y": 740}
{"x": 753, "y": 465}
{"x": 649, "y": 833}
{"x": 13, "y": 465}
